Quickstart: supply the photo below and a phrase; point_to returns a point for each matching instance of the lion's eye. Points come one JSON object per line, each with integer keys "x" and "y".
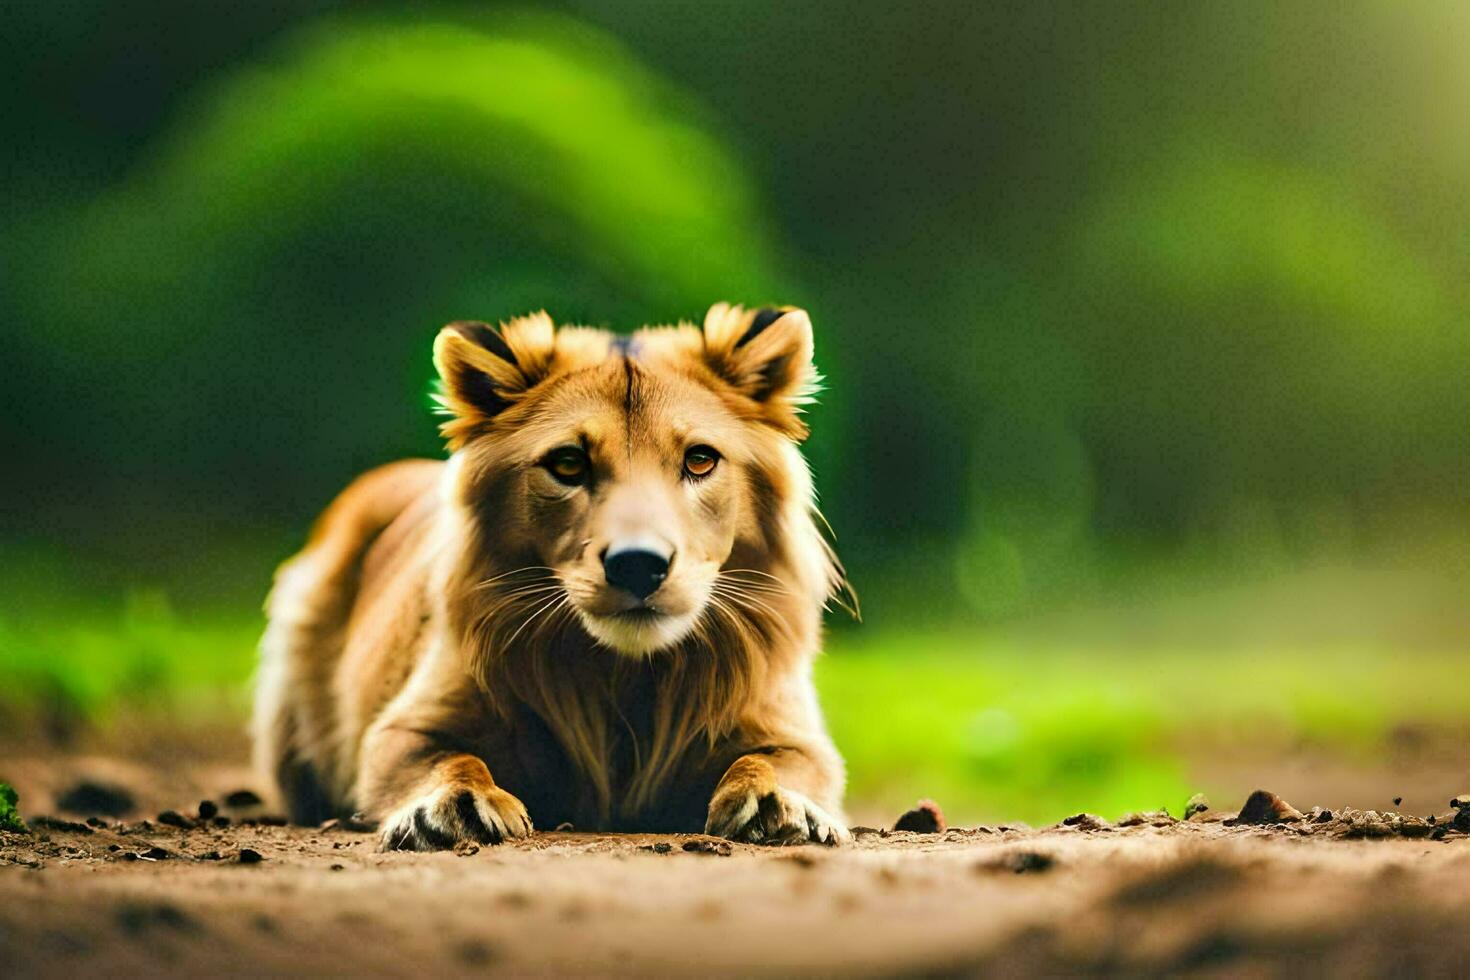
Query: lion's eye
{"x": 700, "y": 461}
{"x": 568, "y": 464}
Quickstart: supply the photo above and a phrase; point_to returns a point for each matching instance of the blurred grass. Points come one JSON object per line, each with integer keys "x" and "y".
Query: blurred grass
{"x": 1002, "y": 730}
{"x": 992, "y": 727}
{"x": 69, "y": 670}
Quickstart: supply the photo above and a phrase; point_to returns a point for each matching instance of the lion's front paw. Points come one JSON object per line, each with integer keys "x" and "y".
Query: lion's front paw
{"x": 453, "y": 813}
{"x": 771, "y": 816}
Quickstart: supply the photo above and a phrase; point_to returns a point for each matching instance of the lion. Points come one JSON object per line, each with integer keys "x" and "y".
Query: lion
{"x": 601, "y": 611}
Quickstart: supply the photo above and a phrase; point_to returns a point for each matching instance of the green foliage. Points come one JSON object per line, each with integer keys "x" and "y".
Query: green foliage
{"x": 1061, "y": 329}
{"x": 262, "y": 290}
{"x": 9, "y": 816}
{"x": 78, "y": 667}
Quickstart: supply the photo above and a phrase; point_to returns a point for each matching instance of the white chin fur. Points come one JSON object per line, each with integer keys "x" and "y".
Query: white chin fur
{"x": 638, "y": 637}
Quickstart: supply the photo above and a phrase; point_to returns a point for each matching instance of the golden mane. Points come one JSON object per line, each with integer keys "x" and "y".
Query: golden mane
{"x": 525, "y": 646}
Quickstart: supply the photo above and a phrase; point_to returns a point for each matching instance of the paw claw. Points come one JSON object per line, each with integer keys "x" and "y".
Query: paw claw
{"x": 781, "y": 816}
{"x": 445, "y": 817}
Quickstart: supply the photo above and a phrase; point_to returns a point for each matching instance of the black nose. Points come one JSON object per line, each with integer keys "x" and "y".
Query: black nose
{"x": 636, "y": 570}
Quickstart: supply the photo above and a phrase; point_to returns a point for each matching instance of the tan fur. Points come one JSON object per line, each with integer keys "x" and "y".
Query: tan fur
{"x": 447, "y": 655}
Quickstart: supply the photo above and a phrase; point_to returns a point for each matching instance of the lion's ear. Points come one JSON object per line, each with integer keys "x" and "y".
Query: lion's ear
{"x": 766, "y": 355}
{"x": 483, "y": 370}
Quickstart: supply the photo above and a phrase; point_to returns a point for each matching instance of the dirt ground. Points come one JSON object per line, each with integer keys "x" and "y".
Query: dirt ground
{"x": 1350, "y": 892}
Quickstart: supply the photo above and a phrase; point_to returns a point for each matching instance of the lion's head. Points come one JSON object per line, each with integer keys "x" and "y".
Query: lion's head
{"x": 643, "y": 488}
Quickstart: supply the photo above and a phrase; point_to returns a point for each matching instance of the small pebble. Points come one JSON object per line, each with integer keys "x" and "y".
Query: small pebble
{"x": 924, "y": 818}
{"x": 1265, "y": 807}
{"x": 250, "y": 856}
{"x": 1086, "y": 821}
{"x": 174, "y": 818}
{"x": 208, "y": 809}
{"x": 241, "y": 798}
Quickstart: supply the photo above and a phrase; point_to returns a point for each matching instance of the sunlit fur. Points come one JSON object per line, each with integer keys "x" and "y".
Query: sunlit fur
{"x": 444, "y": 613}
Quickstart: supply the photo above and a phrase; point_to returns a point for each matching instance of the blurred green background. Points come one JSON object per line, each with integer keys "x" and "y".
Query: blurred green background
{"x": 1144, "y": 327}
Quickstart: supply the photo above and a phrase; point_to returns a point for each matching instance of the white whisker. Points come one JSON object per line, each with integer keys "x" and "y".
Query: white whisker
{"x": 514, "y": 571}
{"x": 750, "y": 601}
{"x": 531, "y": 618}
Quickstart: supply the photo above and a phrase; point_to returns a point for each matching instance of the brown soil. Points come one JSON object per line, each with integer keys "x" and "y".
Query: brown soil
{"x": 130, "y": 897}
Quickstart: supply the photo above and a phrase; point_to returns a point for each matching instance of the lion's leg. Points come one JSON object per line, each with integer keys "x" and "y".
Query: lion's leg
{"x": 429, "y": 797}
{"x": 778, "y": 796}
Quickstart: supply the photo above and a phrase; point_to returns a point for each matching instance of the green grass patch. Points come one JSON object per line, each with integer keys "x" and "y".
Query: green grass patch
{"x": 997, "y": 730}
{"x": 10, "y": 817}
{"x": 68, "y": 669}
